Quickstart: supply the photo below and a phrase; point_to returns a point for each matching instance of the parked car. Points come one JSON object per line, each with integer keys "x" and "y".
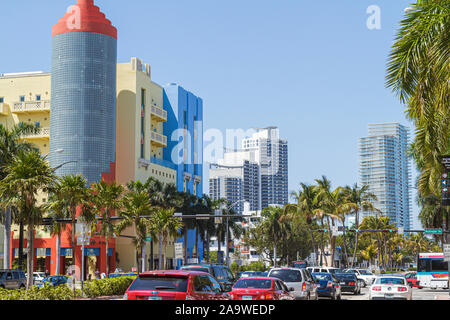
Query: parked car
{"x": 248, "y": 274}
{"x": 220, "y": 272}
{"x": 38, "y": 277}
{"x": 329, "y": 285}
{"x": 411, "y": 278}
{"x": 299, "y": 279}
{"x": 261, "y": 288}
{"x": 348, "y": 282}
{"x": 324, "y": 269}
{"x": 364, "y": 276}
{"x": 390, "y": 287}
{"x": 12, "y": 279}
{"x": 175, "y": 285}
{"x": 54, "y": 281}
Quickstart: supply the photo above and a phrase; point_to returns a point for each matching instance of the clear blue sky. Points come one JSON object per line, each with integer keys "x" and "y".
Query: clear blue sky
{"x": 312, "y": 68}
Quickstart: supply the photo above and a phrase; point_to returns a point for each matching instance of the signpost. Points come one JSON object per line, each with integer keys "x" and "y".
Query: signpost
{"x": 433, "y": 231}
{"x": 148, "y": 239}
{"x": 178, "y": 251}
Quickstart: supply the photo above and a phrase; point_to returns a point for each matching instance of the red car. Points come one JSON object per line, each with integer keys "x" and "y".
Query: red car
{"x": 260, "y": 288}
{"x": 411, "y": 278}
{"x": 175, "y": 285}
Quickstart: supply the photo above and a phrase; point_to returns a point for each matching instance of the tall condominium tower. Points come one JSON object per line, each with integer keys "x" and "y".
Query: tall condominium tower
{"x": 83, "y": 92}
{"x": 385, "y": 168}
{"x": 257, "y": 174}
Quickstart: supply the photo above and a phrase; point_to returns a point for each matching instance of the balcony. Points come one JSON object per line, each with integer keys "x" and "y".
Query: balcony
{"x": 31, "y": 107}
{"x": 42, "y": 134}
{"x": 158, "y": 140}
{"x": 159, "y": 113}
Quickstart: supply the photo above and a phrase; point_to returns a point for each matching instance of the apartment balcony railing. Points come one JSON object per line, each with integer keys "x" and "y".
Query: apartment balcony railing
{"x": 43, "y": 133}
{"x": 159, "y": 113}
{"x": 158, "y": 139}
{"x": 31, "y": 107}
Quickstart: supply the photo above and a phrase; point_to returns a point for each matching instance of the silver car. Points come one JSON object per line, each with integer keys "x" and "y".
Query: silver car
{"x": 390, "y": 287}
{"x": 12, "y": 279}
{"x": 299, "y": 279}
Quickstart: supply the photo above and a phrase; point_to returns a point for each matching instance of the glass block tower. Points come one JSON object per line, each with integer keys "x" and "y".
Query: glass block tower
{"x": 83, "y": 93}
{"x": 385, "y": 168}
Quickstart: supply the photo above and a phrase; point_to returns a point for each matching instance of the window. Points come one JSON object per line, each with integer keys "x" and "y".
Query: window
{"x": 215, "y": 285}
{"x": 175, "y": 284}
{"x": 2, "y": 99}
{"x": 38, "y": 97}
{"x": 287, "y": 275}
{"x": 253, "y": 284}
{"x": 37, "y": 124}
{"x": 22, "y": 98}
{"x": 203, "y": 284}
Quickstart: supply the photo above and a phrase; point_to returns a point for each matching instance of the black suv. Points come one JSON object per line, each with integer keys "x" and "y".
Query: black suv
{"x": 221, "y": 272}
{"x": 12, "y": 279}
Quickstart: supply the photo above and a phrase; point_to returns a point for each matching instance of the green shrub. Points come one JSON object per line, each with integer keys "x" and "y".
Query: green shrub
{"x": 45, "y": 293}
{"x": 108, "y": 287}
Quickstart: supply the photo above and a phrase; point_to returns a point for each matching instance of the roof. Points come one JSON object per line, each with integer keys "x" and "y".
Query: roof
{"x": 84, "y": 17}
{"x": 172, "y": 273}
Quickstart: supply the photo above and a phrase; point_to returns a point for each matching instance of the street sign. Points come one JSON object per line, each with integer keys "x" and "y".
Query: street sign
{"x": 446, "y": 248}
{"x": 149, "y": 238}
{"x": 83, "y": 240}
{"x": 178, "y": 250}
{"x": 433, "y": 231}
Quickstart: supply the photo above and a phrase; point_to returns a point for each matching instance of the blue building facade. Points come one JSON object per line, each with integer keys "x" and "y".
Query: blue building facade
{"x": 184, "y": 131}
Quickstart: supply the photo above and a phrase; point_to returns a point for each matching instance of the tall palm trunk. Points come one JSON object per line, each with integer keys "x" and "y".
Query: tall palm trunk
{"x": 356, "y": 238}
{"x": 207, "y": 246}
{"x": 196, "y": 245}
{"x": 322, "y": 245}
{"x": 152, "y": 261}
{"x": 107, "y": 255}
{"x": 345, "y": 243}
{"x": 21, "y": 239}
{"x": 73, "y": 246}
{"x": 332, "y": 237}
{"x": 7, "y": 240}
{"x": 186, "y": 230}
{"x": 58, "y": 254}
{"x": 137, "y": 261}
{"x": 30, "y": 255}
{"x": 313, "y": 242}
{"x": 160, "y": 252}
{"x": 144, "y": 256}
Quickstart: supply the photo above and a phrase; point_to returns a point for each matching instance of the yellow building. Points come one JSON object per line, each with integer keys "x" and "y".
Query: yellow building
{"x": 25, "y": 97}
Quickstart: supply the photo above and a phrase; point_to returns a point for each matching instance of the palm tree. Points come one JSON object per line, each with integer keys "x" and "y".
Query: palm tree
{"x": 70, "y": 192}
{"x": 107, "y": 200}
{"x": 306, "y": 204}
{"x": 27, "y": 174}
{"x": 274, "y": 220}
{"x": 11, "y": 143}
{"x": 418, "y": 73}
{"x": 167, "y": 226}
{"x": 135, "y": 205}
{"x": 362, "y": 199}
{"x": 369, "y": 253}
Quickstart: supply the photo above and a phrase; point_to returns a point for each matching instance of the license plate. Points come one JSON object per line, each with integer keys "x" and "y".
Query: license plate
{"x": 247, "y": 298}
{"x": 389, "y": 296}
{"x": 154, "y": 298}
{"x": 343, "y": 283}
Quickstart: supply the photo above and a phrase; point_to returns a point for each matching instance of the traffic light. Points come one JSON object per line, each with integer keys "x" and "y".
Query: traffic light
{"x": 353, "y": 230}
{"x": 231, "y": 247}
{"x": 322, "y": 230}
{"x": 388, "y": 230}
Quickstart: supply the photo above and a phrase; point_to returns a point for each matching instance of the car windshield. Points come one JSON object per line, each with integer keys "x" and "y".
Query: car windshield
{"x": 322, "y": 277}
{"x": 333, "y": 271}
{"x": 390, "y": 281}
{"x": 345, "y": 276}
{"x": 145, "y": 283}
{"x": 1, "y": 274}
{"x": 287, "y": 275}
{"x": 365, "y": 273}
{"x": 253, "y": 284}
{"x": 200, "y": 269}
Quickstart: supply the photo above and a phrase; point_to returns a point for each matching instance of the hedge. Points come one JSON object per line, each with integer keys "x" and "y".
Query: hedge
{"x": 96, "y": 288}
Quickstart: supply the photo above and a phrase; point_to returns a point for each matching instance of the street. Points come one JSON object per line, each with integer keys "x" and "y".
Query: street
{"x": 418, "y": 294}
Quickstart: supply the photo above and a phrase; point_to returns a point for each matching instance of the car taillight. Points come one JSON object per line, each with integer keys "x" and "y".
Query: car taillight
{"x": 377, "y": 288}
{"x": 304, "y": 286}
{"x": 330, "y": 284}
{"x": 351, "y": 283}
{"x": 188, "y": 297}
{"x": 402, "y": 289}
{"x": 263, "y": 297}
{"x": 269, "y": 297}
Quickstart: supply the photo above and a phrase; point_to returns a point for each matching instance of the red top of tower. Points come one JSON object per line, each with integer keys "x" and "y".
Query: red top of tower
{"x": 84, "y": 17}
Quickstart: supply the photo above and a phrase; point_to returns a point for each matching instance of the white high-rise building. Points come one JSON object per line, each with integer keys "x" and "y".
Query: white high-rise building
{"x": 385, "y": 168}
{"x": 257, "y": 174}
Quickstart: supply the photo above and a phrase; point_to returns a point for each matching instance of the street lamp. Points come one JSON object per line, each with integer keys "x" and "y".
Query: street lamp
{"x": 227, "y": 236}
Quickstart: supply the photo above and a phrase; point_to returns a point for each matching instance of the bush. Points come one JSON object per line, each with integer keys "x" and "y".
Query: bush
{"x": 108, "y": 287}
{"x": 45, "y": 293}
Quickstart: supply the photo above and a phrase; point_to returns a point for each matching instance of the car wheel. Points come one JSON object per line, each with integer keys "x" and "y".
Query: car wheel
{"x": 339, "y": 297}
{"x": 364, "y": 284}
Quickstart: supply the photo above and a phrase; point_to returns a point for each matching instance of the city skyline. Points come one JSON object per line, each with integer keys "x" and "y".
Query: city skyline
{"x": 322, "y": 99}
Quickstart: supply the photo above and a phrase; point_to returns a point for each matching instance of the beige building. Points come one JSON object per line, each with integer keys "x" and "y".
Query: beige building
{"x": 25, "y": 98}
